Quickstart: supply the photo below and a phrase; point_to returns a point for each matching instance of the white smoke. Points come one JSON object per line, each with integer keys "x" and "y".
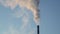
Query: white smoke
{"x": 29, "y": 4}
{"x": 33, "y": 6}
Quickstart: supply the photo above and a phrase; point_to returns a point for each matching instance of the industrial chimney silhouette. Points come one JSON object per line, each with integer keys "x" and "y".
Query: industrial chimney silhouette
{"x": 37, "y": 29}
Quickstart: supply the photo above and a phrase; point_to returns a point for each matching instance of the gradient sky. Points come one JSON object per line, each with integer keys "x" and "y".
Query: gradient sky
{"x": 20, "y": 21}
{"x": 50, "y": 16}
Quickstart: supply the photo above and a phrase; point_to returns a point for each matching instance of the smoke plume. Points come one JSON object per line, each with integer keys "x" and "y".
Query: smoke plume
{"x": 33, "y": 6}
{"x": 29, "y": 4}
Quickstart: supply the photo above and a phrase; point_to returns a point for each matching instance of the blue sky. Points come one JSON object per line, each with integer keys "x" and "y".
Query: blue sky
{"x": 50, "y": 16}
{"x": 20, "y": 21}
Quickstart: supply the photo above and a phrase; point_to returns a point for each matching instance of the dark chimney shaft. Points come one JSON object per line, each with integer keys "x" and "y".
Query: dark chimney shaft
{"x": 37, "y": 29}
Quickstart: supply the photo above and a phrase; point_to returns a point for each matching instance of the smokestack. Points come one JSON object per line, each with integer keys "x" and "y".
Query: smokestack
{"x": 37, "y": 29}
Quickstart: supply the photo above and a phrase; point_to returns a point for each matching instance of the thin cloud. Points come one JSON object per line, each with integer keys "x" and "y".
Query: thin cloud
{"x": 11, "y": 30}
{"x": 9, "y": 3}
{"x": 31, "y": 32}
{"x": 23, "y": 29}
{"x": 29, "y": 4}
{"x": 12, "y": 4}
{"x": 25, "y": 21}
{"x": 18, "y": 13}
